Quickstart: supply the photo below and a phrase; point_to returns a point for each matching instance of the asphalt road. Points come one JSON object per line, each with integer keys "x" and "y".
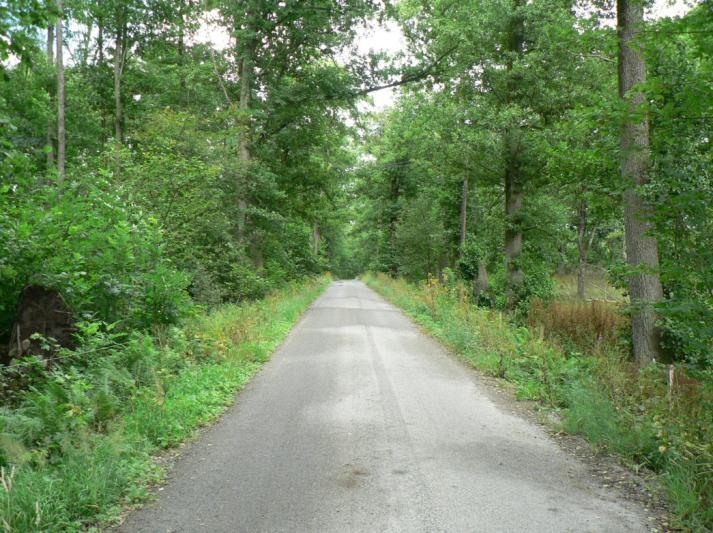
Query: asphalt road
{"x": 359, "y": 422}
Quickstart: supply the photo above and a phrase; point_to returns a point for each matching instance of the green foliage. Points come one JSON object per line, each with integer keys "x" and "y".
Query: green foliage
{"x": 238, "y": 173}
{"x": 538, "y": 285}
{"x": 19, "y": 20}
{"x": 419, "y": 239}
{"x": 549, "y": 113}
{"x": 102, "y": 254}
{"x": 78, "y": 444}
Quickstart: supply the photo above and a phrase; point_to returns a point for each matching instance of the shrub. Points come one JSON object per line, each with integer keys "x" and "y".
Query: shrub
{"x": 687, "y": 326}
{"x": 78, "y": 444}
{"x": 102, "y": 253}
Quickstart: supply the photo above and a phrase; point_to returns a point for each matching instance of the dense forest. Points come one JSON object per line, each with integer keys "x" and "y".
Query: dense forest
{"x": 549, "y": 161}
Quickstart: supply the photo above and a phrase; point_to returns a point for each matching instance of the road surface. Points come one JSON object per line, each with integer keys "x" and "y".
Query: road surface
{"x": 359, "y": 422}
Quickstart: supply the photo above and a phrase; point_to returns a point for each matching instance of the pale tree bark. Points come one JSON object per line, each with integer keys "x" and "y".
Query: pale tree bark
{"x": 514, "y": 193}
{"x": 514, "y": 196}
{"x": 100, "y": 43}
{"x": 482, "y": 282}
{"x": 463, "y": 214}
{"x": 51, "y": 92}
{"x": 247, "y": 73}
{"x": 641, "y": 247}
{"x": 61, "y": 134}
{"x": 316, "y": 239}
{"x": 582, "y": 246}
{"x": 100, "y": 62}
{"x": 119, "y": 61}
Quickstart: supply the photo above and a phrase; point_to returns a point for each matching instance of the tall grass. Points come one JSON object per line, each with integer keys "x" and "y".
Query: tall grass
{"x": 596, "y": 286}
{"x": 599, "y": 393}
{"x": 580, "y": 325}
{"x": 79, "y": 447}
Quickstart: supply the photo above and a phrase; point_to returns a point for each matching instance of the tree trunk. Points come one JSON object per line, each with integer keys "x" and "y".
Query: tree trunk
{"x": 100, "y": 63}
{"x": 582, "y": 245}
{"x": 86, "y": 43}
{"x": 100, "y": 43}
{"x": 246, "y": 74}
{"x": 61, "y": 135}
{"x": 51, "y": 92}
{"x": 119, "y": 53}
{"x": 513, "y": 173}
{"x": 482, "y": 283}
{"x": 246, "y": 82}
{"x": 316, "y": 239}
{"x": 395, "y": 193}
{"x": 513, "y": 231}
{"x": 641, "y": 248}
{"x": 463, "y": 214}
{"x": 182, "y": 50}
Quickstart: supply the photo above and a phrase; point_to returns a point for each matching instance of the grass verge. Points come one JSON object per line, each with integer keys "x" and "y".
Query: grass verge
{"x": 77, "y": 446}
{"x": 602, "y": 397}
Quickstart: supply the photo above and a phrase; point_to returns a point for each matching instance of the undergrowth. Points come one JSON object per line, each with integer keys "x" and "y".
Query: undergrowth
{"x": 597, "y": 390}
{"x": 77, "y": 445}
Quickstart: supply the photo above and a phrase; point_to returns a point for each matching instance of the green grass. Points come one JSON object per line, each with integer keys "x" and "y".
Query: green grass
{"x": 604, "y": 398}
{"x": 65, "y": 471}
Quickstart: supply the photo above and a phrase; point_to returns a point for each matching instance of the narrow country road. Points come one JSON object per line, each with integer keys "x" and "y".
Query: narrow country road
{"x": 360, "y": 422}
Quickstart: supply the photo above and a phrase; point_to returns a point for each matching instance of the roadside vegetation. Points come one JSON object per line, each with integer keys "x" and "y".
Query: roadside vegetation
{"x": 542, "y": 181}
{"x": 590, "y": 381}
{"x": 543, "y": 204}
{"x": 168, "y": 207}
{"x": 77, "y": 443}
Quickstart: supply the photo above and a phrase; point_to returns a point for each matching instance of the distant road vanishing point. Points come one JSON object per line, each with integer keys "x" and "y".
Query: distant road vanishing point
{"x": 360, "y": 422}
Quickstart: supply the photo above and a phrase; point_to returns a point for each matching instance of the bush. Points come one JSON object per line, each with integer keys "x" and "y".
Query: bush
{"x": 78, "y": 444}
{"x": 102, "y": 253}
{"x": 687, "y": 327}
{"x": 537, "y": 284}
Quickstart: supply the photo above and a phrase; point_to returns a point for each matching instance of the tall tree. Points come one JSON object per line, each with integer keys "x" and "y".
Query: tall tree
{"x": 61, "y": 134}
{"x": 246, "y": 39}
{"x": 463, "y": 234}
{"x": 283, "y": 53}
{"x": 51, "y": 85}
{"x": 645, "y": 288}
{"x": 120, "y": 51}
{"x": 514, "y": 193}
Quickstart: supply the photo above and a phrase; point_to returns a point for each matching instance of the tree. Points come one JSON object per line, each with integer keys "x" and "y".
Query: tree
{"x": 51, "y": 88}
{"x": 641, "y": 246}
{"x": 120, "y": 51}
{"x": 19, "y": 20}
{"x": 61, "y": 134}
{"x": 514, "y": 186}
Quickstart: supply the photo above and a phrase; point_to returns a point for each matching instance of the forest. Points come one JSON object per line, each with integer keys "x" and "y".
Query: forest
{"x": 538, "y": 196}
